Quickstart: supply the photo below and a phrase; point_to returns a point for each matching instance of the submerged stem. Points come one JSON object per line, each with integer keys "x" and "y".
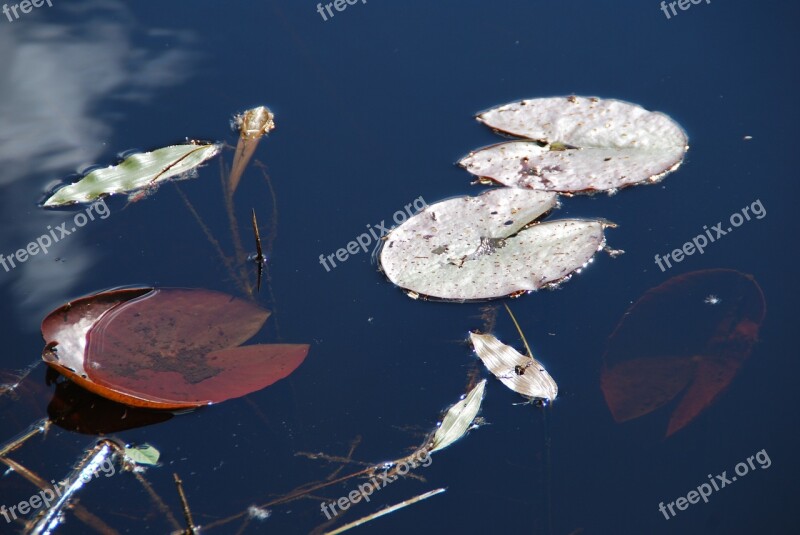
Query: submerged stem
{"x": 519, "y": 330}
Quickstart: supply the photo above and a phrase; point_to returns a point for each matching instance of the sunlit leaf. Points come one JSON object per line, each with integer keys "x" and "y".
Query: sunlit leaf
{"x": 458, "y": 419}
{"x": 484, "y": 247}
{"x": 165, "y": 348}
{"x": 578, "y": 144}
{"x": 683, "y": 340}
{"x": 518, "y": 372}
{"x": 137, "y": 171}
{"x": 145, "y": 455}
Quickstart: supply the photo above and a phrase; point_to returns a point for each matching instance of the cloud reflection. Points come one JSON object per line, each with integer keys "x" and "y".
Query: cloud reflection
{"x": 61, "y": 66}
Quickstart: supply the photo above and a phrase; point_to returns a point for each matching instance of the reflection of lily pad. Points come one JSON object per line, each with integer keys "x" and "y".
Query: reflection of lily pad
{"x": 676, "y": 340}
{"x": 137, "y": 171}
{"x": 486, "y": 246}
{"x": 170, "y": 348}
{"x": 77, "y": 409}
{"x": 577, "y": 144}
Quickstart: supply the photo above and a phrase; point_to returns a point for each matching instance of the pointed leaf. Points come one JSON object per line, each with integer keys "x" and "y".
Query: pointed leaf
{"x": 135, "y": 172}
{"x": 458, "y": 419}
{"x": 522, "y": 374}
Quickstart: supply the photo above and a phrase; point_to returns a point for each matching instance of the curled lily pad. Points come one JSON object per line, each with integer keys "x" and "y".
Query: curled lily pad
{"x": 165, "y": 348}
{"x": 136, "y": 172}
{"x": 578, "y": 144}
{"x": 484, "y": 247}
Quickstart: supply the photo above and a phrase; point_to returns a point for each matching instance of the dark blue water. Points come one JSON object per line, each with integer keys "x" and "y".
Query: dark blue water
{"x": 373, "y": 107}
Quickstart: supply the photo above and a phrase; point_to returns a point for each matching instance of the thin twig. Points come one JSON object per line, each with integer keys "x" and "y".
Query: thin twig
{"x": 176, "y": 526}
{"x": 187, "y": 514}
{"x": 83, "y": 514}
{"x": 271, "y": 236}
{"x": 297, "y": 493}
{"x": 519, "y": 330}
{"x": 386, "y": 511}
{"x": 39, "y": 427}
{"x": 260, "y": 259}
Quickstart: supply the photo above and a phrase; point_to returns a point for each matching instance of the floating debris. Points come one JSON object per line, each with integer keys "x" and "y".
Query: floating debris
{"x": 522, "y": 374}
{"x": 253, "y": 124}
{"x": 142, "y": 455}
{"x": 459, "y": 419}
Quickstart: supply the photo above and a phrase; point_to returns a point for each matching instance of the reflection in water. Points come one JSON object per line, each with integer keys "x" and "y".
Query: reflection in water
{"x": 79, "y": 410}
{"x": 690, "y": 334}
{"x": 55, "y": 78}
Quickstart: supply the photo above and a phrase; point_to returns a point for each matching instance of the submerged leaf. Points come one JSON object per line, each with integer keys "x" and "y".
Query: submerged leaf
{"x": 675, "y": 339}
{"x": 458, "y": 419}
{"x": 137, "y": 171}
{"x": 485, "y": 247}
{"x": 170, "y": 348}
{"x": 522, "y": 374}
{"x": 578, "y": 144}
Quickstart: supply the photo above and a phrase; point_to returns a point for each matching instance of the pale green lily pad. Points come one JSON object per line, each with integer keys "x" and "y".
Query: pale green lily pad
{"x": 488, "y": 246}
{"x": 578, "y": 145}
{"x": 137, "y": 171}
{"x": 459, "y": 419}
{"x": 144, "y": 455}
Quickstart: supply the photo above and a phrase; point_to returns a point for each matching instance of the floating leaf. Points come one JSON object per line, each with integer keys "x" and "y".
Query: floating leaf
{"x": 253, "y": 124}
{"x": 458, "y": 419}
{"x": 578, "y": 144}
{"x": 485, "y": 247}
{"x": 689, "y": 335}
{"x": 145, "y": 455}
{"x": 165, "y": 348}
{"x": 522, "y": 374}
{"x": 137, "y": 171}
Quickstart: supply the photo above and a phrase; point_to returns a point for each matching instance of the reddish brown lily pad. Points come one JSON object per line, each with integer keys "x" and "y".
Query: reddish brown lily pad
{"x": 689, "y": 336}
{"x": 165, "y": 348}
